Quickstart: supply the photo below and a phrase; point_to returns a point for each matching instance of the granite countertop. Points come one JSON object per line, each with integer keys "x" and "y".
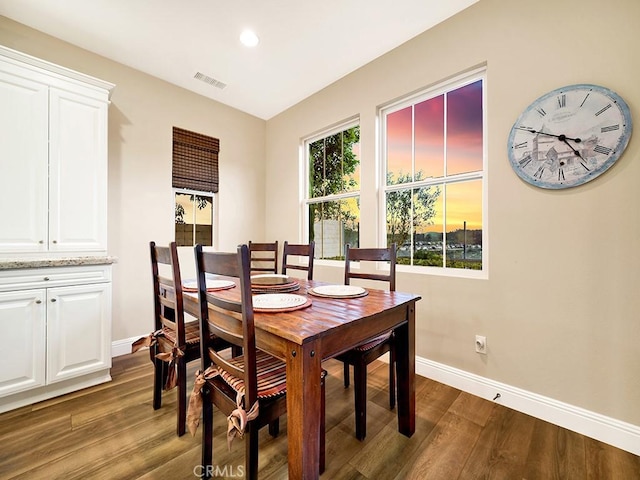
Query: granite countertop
{"x": 18, "y": 263}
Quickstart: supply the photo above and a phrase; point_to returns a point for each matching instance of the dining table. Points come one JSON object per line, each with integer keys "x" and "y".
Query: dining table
{"x": 325, "y": 327}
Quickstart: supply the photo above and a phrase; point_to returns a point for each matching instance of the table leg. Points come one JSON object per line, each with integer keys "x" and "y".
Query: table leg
{"x": 303, "y": 411}
{"x": 405, "y": 372}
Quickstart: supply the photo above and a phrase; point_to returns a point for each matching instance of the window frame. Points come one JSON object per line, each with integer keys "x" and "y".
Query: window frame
{"x": 214, "y": 213}
{"x": 412, "y": 99}
{"x": 305, "y": 183}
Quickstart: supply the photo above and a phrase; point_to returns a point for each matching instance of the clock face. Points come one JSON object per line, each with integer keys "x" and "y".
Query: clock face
{"x": 569, "y": 136}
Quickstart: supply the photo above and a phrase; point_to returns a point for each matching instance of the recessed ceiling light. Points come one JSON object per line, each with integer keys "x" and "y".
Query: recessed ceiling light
{"x": 249, "y": 39}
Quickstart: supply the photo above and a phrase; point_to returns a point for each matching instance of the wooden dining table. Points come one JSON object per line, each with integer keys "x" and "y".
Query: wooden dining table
{"x": 305, "y": 337}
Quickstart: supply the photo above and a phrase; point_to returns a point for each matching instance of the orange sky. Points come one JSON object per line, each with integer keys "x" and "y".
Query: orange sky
{"x": 463, "y": 147}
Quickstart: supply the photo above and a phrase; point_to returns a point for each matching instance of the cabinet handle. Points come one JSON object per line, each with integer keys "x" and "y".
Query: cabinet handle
{"x": 53, "y": 299}
{"x": 41, "y": 242}
{"x": 46, "y": 279}
{"x": 38, "y": 301}
{"x": 55, "y": 241}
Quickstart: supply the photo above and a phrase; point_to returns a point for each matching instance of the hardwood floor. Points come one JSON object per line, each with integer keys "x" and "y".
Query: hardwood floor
{"x": 111, "y": 432}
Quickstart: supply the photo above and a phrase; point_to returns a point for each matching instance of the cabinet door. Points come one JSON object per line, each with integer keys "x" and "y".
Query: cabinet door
{"x": 78, "y": 173}
{"x": 78, "y": 330}
{"x": 22, "y": 323}
{"x": 23, "y": 162}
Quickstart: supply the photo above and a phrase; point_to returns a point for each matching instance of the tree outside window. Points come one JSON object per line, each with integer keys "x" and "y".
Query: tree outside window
{"x": 333, "y": 199}
{"x": 434, "y": 159}
{"x": 193, "y": 218}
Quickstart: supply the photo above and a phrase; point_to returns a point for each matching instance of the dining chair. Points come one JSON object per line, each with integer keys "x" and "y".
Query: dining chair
{"x": 251, "y": 386}
{"x": 362, "y": 355}
{"x": 264, "y": 257}
{"x": 174, "y": 342}
{"x": 298, "y": 250}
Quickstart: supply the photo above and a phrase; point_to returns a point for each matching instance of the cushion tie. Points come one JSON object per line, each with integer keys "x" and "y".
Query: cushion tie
{"x": 237, "y": 421}
{"x": 147, "y": 341}
{"x": 195, "y": 400}
{"x": 172, "y": 374}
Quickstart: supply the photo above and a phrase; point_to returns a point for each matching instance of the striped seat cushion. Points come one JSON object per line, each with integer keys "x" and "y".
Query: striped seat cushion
{"x": 272, "y": 375}
{"x": 374, "y": 342}
{"x": 191, "y": 333}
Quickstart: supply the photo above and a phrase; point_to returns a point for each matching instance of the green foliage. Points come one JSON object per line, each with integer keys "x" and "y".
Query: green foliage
{"x": 410, "y": 207}
{"x": 332, "y": 165}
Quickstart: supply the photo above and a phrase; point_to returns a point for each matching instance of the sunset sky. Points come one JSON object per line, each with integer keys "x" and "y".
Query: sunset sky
{"x": 463, "y": 141}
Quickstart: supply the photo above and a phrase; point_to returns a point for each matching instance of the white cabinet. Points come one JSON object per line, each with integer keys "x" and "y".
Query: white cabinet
{"x": 78, "y": 330}
{"x": 56, "y": 324}
{"x": 23, "y": 324}
{"x": 55, "y": 321}
{"x": 53, "y": 157}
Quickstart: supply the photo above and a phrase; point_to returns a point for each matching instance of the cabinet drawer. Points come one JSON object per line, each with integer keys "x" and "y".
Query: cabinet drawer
{"x": 53, "y": 277}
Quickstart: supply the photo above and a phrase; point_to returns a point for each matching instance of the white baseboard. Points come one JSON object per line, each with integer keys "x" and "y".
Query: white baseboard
{"x": 606, "y": 429}
{"x": 122, "y": 347}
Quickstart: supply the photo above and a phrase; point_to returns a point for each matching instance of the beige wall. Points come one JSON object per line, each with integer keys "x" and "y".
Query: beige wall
{"x": 142, "y": 113}
{"x": 561, "y": 308}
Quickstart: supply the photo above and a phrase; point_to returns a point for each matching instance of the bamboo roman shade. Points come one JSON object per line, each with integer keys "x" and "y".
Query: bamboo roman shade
{"x": 195, "y": 161}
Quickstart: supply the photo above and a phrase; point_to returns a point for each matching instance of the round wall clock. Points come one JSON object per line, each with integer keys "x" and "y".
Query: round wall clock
{"x": 569, "y": 136}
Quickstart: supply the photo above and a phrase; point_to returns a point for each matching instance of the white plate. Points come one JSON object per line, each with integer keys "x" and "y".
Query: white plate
{"x": 278, "y": 300}
{"x": 211, "y": 284}
{"x": 338, "y": 290}
{"x": 269, "y": 275}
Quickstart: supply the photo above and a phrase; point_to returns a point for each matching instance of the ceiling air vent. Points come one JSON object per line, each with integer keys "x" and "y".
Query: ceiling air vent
{"x": 209, "y": 80}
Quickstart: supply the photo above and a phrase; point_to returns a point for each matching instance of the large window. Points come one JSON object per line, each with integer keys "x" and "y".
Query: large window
{"x": 195, "y": 180}
{"x": 433, "y": 155}
{"x": 332, "y": 197}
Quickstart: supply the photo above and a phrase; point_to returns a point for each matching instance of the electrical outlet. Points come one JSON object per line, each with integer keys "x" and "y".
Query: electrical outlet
{"x": 481, "y": 344}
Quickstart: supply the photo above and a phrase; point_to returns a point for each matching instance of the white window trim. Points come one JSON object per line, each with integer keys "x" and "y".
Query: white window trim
{"x": 214, "y": 210}
{"x": 304, "y": 183}
{"x": 386, "y": 109}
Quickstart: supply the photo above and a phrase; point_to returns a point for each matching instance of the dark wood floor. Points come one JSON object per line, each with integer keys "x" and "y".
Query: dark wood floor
{"x": 111, "y": 432}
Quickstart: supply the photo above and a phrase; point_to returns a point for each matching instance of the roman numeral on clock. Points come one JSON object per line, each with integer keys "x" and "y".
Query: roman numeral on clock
{"x": 525, "y": 161}
{"x": 601, "y": 149}
{"x": 539, "y": 172}
{"x": 562, "y": 100}
{"x": 610, "y": 128}
{"x": 520, "y": 145}
{"x": 603, "y": 109}
{"x": 541, "y": 111}
{"x": 560, "y": 174}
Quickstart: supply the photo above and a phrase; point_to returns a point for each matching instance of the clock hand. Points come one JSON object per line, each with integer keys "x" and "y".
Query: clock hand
{"x": 577, "y": 153}
{"x": 561, "y": 137}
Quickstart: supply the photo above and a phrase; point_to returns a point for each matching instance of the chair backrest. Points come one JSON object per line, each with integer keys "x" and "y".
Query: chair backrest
{"x": 167, "y": 292}
{"x": 227, "y": 319}
{"x": 264, "y": 257}
{"x": 371, "y": 255}
{"x": 298, "y": 250}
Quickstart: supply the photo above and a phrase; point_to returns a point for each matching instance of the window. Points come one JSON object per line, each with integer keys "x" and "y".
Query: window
{"x": 332, "y": 199}
{"x": 433, "y": 155}
{"x": 194, "y": 218}
{"x": 195, "y": 180}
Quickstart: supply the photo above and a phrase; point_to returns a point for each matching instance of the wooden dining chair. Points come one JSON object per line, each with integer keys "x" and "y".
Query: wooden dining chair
{"x": 264, "y": 257}
{"x": 298, "y": 250}
{"x": 174, "y": 342}
{"x": 362, "y": 355}
{"x": 253, "y": 383}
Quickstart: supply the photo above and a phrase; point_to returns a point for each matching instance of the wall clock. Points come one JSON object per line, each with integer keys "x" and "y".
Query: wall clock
{"x": 569, "y": 136}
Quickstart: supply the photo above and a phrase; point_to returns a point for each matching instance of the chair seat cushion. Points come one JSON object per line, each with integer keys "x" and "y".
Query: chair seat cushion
{"x": 374, "y": 342}
{"x": 191, "y": 333}
{"x": 272, "y": 375}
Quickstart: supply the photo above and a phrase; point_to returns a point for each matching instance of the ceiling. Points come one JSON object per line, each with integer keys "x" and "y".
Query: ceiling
{"x": 304, "y": 45}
